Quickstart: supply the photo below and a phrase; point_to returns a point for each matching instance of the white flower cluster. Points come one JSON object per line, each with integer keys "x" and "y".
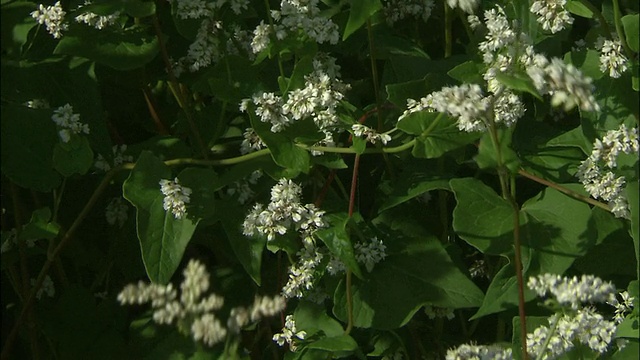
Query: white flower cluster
{"x": 68, "y": 122}
{"x": 289, "y": 333}
{"x": 480, "y": 352}
{"x": 46, "y": 288}
{"x": 243, "y": 187}
{"x": 622, "y": 307}
{"x": 116, "y": 212}
{"x": 467, "y": 6}
{"x": 52, "y": 17}
{"x": 370, "y": 253}
{"x": 193, "y": 310}
{"x": 283, "y": 211}
{"x": 175, "y": 197}
{"x": 371, "y": 135}
{"x": 301, "y": 274}
{"x": 596, "y": 174}
{"x": 396, "y": 10}
{"x": 97, "y": 21}
{"x": 478, "y": 269}
{"x": 572, "y": 292}
{"x": 433, "y": 312}
{"x": 251, "y": 142}
{"x": 612, "y": 59}
{"x": 205, "y": 49}
{"x": 584, "y": 327}
{"x": 552, "y": 14}
{"x": 194, "y": 9}
{"x": 318, "y": 99}
{"x": 294, "y": 16}
{"x": 118, "y": 158}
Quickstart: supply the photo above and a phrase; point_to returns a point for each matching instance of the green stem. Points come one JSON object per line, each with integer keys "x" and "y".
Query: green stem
{"x": 550, "y": 336}
{"x": 617, "y": 19}
{"x": 448, "y": 37}
{"x": 564, "y": 190}
{"x": 347, "y": 331}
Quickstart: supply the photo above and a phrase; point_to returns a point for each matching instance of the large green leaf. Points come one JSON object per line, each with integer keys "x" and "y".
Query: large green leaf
{"x": 313, "y": 319}
{"x": 414, "y": 182}
{"x": 633, "y": 199}
{"x": 201, "y": 182}
{"x": 467, "y": 72}
{"x": 40, "y": 226}
{"x": 490, "y": 157}
{"x": 359, "y": 12}
{"x": 338, "y": 241}
{"x": 417, "y": 271}
{"x": 247, "y": 249}
{"x": 74, "y": 157}
{"x": 554, "y": 232}
{"x": 481, "y": 217}
{"x": 121, "y": 49}
{"x": 16, "y": 24}
{"x": 630, "y": 24}
{"x": 28, "y": 139}
{"x": 163, "y": 238}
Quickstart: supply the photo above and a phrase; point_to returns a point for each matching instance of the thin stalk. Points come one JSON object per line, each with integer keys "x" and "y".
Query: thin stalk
{"x": 347, "y": 331}
{"x": 552, "y": 331}
{"x": 271, "y": 25}
{"x": 448, "y": 37}
{"x": 352, "y": 200}
{"x": 176, "y": 89}
{"x": 564, "y": 190}
{"x": 51, "y": 256}
{"x": 617, "y": 19}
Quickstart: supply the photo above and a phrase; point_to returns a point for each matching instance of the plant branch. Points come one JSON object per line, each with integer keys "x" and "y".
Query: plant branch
{"x": 564, "y": 190}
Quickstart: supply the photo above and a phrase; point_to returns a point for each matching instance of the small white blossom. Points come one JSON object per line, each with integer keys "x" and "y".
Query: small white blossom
{"x": 622, "y": 307}
{"x": 479, "y": 352}
{"x": 397, "y": 10}
{"x": 116, "y": 212}
{"x": 301, "y": 274}
{"x": 118, "y": 158}
{"x": 572, "y": 292}
{"x": 438, "y": 312}
{"x": 68, "y": 122}
{"x": 52, "y": 17}
{"x": 370, "y": 253}
{"x": 371, "y": 135}
{"x": 208, "y": 329}
{"x": 193, "y": 9}
{"x": 176, "y": 197}
{"x": 289, "y": 334}
{"x": 612, "y": 59}
{"x": 46, "y": 287}
{"x": 97, "y": 21}
{"x": 552, "y": 14}
{"x": 467, "y": 6}
{"x": 251, "y": 142}
{"x": 37, "y": 104}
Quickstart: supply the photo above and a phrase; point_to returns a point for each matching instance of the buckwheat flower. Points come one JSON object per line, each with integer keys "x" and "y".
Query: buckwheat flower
{"x": 467, "y": 6}
{"x": 500, "y": 33}
{"x": 301, "y": 274}
{"x": 336, "y": 266}
{"x": 264, "y": 306}
{"x": 370, "y": 253}
{"x": 612, "y": 59}
{"x": 208, "y": 329}
{"x": 371, "y": 135}
{"x": 438, "y": 312}
{"x": 52, "y": 17}
{"x": 466, "y": 103}
{"x": 478, "y": 269}
{"x": 396, "y": 10}
{"x": 68, "y": 122}
{"x": 261, "y": 37}
{"x": 480, "y": 352}
{"x": 596, "y": 172}
{"x": 195, "y": 283}
{"x": 251, "y": 142}
{"x": 579, "y": 45}
{"x": 552, "y": 14}
{"x": 46, "y": 287}
{"x": 193, "y": 9}
{"x": 474, "y": 21}
{"x": 116, "y": 212}
{"x": 97, "y": 21}
{"x": 118, "y": 158}
{"x": 306, "y": 16}
{"x": 205, "y": 49}
{"x": 37, "y": 104}
{"x": 175, "y": 197}
{"x": 572, "y": 292}
{"x": 622, "y": 307}
{"x": 269, "y": 107}
{"x": 289, "y": 334}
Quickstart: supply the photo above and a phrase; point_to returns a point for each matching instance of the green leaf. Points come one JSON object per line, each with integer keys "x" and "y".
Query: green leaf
{"x": 16, "y": 24}
{"x": 519, "y": 82}
{"x": 163, "y": 238}
{"x": 248, "y": 250}
{"x": 338, "y": 241}
{"x": 359, "y": 12}
{"x": 339, "y": 346}
{"x": 629, "y": 352}
{"x": 283, "y": 149}
{"x": 481, "y": 217}
{"x": 490, "y": 158}
{"x": 413, "y": 183}
{"x": 40, "y": 226}
{"x": 630, "y": 24}
{"x": 633, "y": 200}
{"x": 400, "y": 92}
{"x": 628, "y": 329}
{"x": 313, "y": 319}
{"x": 418, "y": 271}
{"x": 418, "y": 122}
{"x": 578, "y": 7}
{"x": 467, "y": 72}
{"x": 203, "y": 201}
{"x": 122, "y": 49}
{"x": 135, "y": 8}
{"x": 588, "y": 61}
{"x": 28, "y": 138}
{"x": 74, "y": 157}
